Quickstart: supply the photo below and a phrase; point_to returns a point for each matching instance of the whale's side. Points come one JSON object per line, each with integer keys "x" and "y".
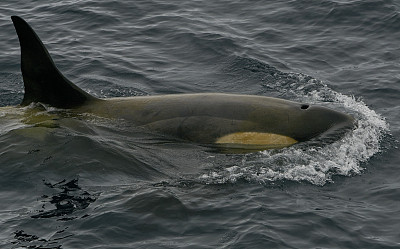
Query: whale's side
{"x": 237, "y": 121}
{"x": 229, "y": 120}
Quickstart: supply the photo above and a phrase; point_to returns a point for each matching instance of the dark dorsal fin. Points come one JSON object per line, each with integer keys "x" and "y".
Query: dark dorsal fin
{"x": 43, "y": 82}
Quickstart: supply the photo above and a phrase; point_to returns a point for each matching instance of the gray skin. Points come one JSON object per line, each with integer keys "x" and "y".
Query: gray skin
{"x": 201, "y": 118}
{"x": 204, "y": 118}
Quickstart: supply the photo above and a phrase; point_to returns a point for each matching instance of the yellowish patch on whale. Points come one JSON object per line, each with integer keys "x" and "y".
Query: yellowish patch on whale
{"x": 40, "y": 118}
{"x": 269, "y": 140}
{"x": 38, "y": 133}
{"x": 30, "y": 121}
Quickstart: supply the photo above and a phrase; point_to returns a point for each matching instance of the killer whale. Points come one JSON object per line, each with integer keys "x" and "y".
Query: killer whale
{"x": 228, "y": 120}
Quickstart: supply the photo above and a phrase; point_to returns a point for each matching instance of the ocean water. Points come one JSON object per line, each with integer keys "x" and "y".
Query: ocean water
{"x": 91, "y": 182}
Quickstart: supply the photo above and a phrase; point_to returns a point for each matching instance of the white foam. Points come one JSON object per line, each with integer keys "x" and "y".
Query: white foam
{"x": 315, "y": 165}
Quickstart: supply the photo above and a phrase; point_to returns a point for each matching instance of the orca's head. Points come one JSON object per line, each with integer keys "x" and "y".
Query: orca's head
{"x": 311, "y": 122}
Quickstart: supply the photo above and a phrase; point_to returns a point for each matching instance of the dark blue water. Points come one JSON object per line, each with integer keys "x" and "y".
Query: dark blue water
{"x": 91, "y": 182}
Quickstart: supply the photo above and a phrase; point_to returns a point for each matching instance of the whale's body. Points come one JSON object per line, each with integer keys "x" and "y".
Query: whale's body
{"x": 231, "y": 120}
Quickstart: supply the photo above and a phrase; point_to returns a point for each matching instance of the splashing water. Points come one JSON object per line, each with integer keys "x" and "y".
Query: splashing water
{"x": 312, "y": 164}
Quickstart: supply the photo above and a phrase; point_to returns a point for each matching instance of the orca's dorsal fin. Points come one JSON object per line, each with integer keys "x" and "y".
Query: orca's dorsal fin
{"x": 43, "y": 82}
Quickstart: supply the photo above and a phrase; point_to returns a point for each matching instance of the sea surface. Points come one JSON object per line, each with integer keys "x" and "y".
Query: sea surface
{"x": 91, "y": 182}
